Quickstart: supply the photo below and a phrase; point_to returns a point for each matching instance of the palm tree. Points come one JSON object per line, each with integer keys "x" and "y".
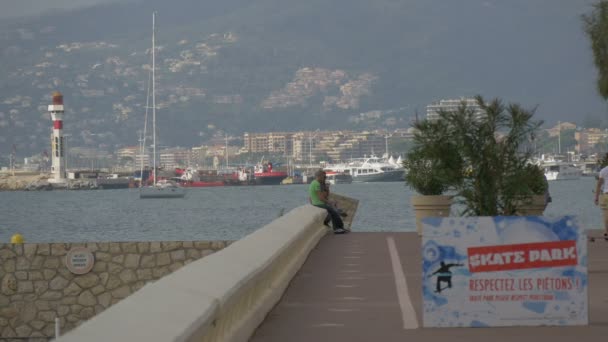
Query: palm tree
{"x": 596, "y": 27}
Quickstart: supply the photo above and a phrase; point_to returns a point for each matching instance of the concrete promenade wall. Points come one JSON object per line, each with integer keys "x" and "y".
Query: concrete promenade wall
{"x": 222, "y": 297}
{"x": 36, "y": 285}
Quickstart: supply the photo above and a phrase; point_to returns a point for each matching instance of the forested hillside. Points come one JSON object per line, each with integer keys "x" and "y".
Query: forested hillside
{"x": 262, "y": 65}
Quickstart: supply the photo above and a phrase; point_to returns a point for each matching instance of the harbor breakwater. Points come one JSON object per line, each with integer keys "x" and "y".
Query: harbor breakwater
{"x": 9, "y": 182}
{"x": 76, "y": 281}
{"x": 40, "y": 182}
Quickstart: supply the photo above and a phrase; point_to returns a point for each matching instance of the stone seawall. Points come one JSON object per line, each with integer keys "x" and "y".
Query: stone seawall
{"x": 36, "y": 285}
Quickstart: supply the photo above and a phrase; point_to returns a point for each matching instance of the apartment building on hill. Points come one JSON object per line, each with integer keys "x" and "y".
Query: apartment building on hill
{"x": 432, "y": 110}
{"x": 311, "y": 146}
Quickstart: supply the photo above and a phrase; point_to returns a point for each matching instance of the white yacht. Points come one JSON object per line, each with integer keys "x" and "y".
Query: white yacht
{"x": 561, "y": 171}
{"x": 556, "y": 167}
{"x": 589, "y": 168}
{"x": 370, "y": 169}
{"x": 333, "y": 177}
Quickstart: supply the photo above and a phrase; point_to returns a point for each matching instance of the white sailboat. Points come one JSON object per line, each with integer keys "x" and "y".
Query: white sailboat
{"x": 162, "y": 188}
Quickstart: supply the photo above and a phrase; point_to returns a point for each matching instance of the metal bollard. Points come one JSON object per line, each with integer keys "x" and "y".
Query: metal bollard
{"x": 17, "y": 239}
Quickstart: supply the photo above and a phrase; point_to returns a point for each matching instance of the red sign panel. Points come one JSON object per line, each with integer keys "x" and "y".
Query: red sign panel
{"x": 522, "y": 256}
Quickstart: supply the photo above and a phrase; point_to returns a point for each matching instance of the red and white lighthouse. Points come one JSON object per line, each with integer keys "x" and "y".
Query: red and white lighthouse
{"x": 57, "y": 142}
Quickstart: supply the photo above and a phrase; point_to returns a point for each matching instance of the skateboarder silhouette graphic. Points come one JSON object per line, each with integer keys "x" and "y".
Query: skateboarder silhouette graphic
{"x": 444, "y": 275}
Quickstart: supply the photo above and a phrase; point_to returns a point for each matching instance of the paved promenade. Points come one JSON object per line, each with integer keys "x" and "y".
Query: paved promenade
{"x": 366, "y": 287}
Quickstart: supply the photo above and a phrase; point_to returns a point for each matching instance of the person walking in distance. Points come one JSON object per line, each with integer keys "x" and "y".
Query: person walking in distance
{"x": 444, "y": 275}
{"x": 319, "y": 198}
{"x": 601, "y": 195}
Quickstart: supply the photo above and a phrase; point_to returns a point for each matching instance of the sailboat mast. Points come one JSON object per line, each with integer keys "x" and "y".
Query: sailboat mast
{"x": 142, "y": 151}
{"x": 386, "y": 145}
{"x": 153, "y": 97}
{"x": 559, "y": 138}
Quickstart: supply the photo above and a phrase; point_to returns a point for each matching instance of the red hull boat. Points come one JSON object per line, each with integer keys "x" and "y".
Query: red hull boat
{"x": 265, "y": 175}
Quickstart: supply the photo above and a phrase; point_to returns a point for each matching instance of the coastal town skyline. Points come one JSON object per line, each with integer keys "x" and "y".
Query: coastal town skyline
{"x": 224, "y": 68}
{"x": 305, "y": 147}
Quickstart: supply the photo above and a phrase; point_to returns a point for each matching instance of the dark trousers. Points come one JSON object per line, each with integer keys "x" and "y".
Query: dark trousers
{"x": 336, "y": 220}
{"x": 440, "y": 279}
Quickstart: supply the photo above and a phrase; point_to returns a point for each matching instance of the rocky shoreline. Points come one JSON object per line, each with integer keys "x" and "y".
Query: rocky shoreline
{"x": 40, "y": 182}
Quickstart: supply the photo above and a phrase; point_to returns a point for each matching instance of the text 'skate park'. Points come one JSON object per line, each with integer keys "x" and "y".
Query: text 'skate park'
{"x": 522, "y": 256}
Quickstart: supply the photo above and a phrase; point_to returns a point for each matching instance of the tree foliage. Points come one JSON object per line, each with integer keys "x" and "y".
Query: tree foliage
{"x": 596, "y": 27}
{"x": 433, "y": 164}
{"x": 485, "y": 158}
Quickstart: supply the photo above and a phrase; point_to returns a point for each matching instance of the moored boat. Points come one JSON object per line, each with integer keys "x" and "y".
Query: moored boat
{"x": 370, "y": 169}
{"x": 589, "y": 168}
{"x": 334, "y": 177}
{"x": 264, "y": 175}
{"x": 162, "y": 189}
{"x": 189, "y": 178}
{"x": 561, "y": 171}
{"x": 200, "y": 184}
{"x": 292, "y": 180}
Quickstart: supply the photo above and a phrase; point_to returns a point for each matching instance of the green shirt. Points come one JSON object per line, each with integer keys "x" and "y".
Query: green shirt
{"x": 313, "y": 190}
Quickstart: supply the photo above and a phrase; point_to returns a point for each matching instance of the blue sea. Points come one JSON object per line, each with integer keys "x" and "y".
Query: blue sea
{"x": 225, "y": 213}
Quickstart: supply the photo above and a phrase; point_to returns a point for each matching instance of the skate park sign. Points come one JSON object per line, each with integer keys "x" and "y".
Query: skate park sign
{"x": 504, "y": 271}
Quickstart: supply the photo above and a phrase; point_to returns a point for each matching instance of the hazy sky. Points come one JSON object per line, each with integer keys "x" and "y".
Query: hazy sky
{"x": 19, "y": 8}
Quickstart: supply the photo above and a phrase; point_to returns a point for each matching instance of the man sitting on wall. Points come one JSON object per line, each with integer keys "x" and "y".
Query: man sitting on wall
{"x": 334, "y": 204}
{"x": 319, "y": 198}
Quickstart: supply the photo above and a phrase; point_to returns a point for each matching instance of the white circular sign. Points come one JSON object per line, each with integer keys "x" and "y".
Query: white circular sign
{"x": 79, "y": 260}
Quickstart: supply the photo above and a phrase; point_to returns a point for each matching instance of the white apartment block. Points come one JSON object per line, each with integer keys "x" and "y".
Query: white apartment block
{"x": 276, "y": 142}
{"x": 168, "y": 161}
{"x": 432, "y": 110}
{"x": 312, "y": 146}
{"x": 299, "y": 146}
{"x": 199, "y": 154}
{"x": 172, "y": 158}
{"x": 589, "y": 138}
{"x": 142, "y": 159}
{"x": 127, "y": 152}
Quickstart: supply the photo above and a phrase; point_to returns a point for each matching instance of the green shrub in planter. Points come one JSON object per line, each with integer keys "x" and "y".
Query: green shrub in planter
{"x": 530, "y": 185}
{"x": 421, "y": 175}
{"x": 433, "y": 165}
{"x": 537, "y": 182}
{"x": 488, "y": 158}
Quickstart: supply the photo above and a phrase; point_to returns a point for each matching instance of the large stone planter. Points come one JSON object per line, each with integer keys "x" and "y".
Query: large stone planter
{"x": 535, "y": 206}
{"x": 430, "y": 206}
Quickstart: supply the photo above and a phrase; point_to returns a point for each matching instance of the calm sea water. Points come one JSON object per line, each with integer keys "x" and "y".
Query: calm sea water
{"x": 224, "y": 213}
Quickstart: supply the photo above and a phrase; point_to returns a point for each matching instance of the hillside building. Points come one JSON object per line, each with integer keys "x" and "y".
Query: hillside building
{"x": 432, "y": 110}
{"x": 560, "y": 127}
{"x": 589, "y": 138}
{"x": 312, "y": 146}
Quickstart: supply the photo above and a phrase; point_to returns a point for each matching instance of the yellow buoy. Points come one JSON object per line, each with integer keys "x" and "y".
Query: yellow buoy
{"x": 17, "y": 238}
